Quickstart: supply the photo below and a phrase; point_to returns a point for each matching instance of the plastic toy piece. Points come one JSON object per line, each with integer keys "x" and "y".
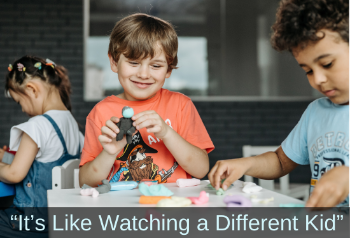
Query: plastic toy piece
{"x": 174, "y": 202}
{"x": 237, "y": 201}
{"x": 202, "y": 199}
{"x": 123, "y": 185}
{"x": 154, "y": 190}
{"x": 89, "y": 191}
{"x": 250, "y": 187}
{"x": 292, "y": 205}
{"x": 125, "y": 125}
{"x": 187, "y": 182}
{"x": 7, "y": 189}
{"x": 151, "y": 199}
{"x": 255, "y": 199}
{"x": 105, "y": 187}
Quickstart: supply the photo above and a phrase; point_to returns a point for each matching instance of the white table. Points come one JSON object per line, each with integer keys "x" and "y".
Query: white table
{"x": 130, "y": 198}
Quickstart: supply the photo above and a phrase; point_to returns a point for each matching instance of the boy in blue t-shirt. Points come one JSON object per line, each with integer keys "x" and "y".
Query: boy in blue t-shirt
{"x": 317, "y": 34}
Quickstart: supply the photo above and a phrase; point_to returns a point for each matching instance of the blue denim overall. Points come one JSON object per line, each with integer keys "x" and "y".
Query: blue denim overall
{"x": 32, "y": 191}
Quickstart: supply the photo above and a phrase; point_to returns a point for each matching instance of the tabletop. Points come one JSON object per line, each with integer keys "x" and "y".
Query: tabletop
{"x": 130, "y": 198}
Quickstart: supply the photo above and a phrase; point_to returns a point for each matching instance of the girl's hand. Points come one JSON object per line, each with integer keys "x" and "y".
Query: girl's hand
{"x": 152, "y": 121}
{"x": 230, "y": 170}
{"x": 331, "y": 189}
{"x": 108, "y": 137}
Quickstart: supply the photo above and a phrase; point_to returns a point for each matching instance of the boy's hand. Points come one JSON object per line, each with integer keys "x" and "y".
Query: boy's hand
{"x": 331, "y": 189}
{"x": 109, "y": 133}
{"x": 231, "y": 170}
{"x": 152, "y": 121}
{"x": 2, "y": 152}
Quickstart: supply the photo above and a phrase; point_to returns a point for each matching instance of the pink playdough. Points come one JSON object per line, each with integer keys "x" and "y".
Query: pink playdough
{"x": 89, "y": 191}
{"x": 203, "y": 198}
{"x": 187, "y": 182}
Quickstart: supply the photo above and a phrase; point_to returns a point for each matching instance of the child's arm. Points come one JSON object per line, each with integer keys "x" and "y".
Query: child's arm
{"x": 2, "y": 152}
{"x": 331, "y": 189}
{"x": 93, "y": 172}
{"x": 18, "y": 169}
{"x": 269, "y": 165}
{"x": 192, "y": 159}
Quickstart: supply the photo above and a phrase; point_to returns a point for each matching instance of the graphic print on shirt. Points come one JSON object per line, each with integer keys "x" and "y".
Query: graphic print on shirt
{"x": 136, "y": 165}
{"x": 329, "y": 151}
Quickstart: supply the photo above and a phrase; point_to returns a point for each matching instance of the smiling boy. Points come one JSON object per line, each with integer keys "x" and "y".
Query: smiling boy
{"x": 316, "y": 32}
{"x": 171, "y": 141}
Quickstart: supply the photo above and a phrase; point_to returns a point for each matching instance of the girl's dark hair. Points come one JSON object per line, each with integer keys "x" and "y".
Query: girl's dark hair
{"x": 56, "y": 76}
{"x": 298, "y": 21}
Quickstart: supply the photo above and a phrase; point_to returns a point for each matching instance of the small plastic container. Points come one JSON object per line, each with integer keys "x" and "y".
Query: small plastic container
{"x": 7, "y": 189}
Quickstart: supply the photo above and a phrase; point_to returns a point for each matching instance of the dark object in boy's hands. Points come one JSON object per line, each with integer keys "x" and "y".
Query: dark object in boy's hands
{"x": 125, "y": 125}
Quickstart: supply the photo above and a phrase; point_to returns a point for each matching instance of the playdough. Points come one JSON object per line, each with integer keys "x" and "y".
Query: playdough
{"x": 187, "y": 182}
{"x": 151, "y": 199}
{"x": 249, "y": 187}
{"x": 174, "y": 202}
{"x": 237, "y": 201}
{"x": 202, "y": 199}
{"x": 154, "y": 190}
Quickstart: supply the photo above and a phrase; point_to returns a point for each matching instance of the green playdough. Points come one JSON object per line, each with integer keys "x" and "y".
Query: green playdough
{"x": 154, "y": 190}
{"x": 220, "y": 191}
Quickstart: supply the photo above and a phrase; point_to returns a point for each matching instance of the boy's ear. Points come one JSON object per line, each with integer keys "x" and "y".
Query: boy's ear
{"x": 32, "y": 89}
{"x": 113, "y": 64}
{"x": 168, "y": 74}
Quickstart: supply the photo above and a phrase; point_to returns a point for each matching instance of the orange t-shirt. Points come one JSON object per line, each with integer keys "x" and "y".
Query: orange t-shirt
{"x": 147, "y": 157}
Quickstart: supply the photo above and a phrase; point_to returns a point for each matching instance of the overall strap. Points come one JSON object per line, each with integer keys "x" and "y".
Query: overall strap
{"x": 58, "y": 131}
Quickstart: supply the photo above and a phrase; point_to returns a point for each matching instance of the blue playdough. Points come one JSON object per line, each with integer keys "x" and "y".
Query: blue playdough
{"x": 154, "y": 190}
{"x": 123, "y": 185}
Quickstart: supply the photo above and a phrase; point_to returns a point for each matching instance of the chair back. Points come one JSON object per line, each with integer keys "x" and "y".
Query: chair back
{"x": 66, "y": 176}
{"x": 248, "y": 151}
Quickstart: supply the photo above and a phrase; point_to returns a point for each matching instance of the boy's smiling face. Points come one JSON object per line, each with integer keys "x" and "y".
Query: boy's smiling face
{"x": 326, "y": 64}
{"x": 141, "y": 79}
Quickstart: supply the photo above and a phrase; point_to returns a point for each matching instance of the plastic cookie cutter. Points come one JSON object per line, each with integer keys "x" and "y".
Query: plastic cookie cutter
{"x": 174, "y": 202}
{"x": 202, "y": 199}
{"x": 154, "y": 190}
{"x": 237, "y": 201}
{"x": 123, "y": 185}
{"x": 187, "y": 182}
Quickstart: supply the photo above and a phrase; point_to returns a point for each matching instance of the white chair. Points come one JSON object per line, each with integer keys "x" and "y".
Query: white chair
{"x": 292, "y": 190}
{"x": 66, "y": 176}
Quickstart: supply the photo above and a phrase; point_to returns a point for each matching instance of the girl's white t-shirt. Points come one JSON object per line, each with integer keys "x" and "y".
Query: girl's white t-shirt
{"x": 44, "y": 135}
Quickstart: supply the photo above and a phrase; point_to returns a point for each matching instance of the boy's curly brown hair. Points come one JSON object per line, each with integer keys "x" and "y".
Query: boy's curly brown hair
{"x": 298, "y": 21}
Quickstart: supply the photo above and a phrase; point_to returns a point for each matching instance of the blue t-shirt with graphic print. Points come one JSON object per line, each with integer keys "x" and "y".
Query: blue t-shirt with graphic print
{"x": 321, "y": 139}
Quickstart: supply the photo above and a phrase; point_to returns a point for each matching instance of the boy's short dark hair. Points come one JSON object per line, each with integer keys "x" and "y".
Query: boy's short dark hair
{"x": 136, "y": 37}
{"x": 297, "y": 22}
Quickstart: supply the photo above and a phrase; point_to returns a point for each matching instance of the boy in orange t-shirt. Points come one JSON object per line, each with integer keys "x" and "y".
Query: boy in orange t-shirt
{"x": 170, "y": 141}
